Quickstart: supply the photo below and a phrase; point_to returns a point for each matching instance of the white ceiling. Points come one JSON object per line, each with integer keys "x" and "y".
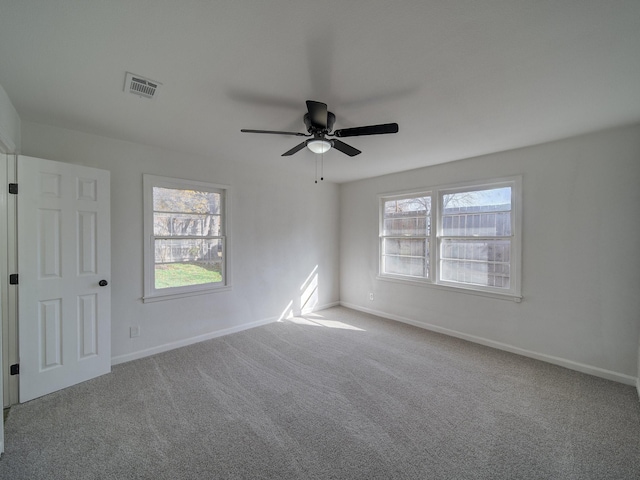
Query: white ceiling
{"x": 461, "y": 77}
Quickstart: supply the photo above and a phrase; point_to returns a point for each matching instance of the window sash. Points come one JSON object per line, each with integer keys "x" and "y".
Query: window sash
{"x": 463, "y": 263}
{"x": 412, "y": 252}
{"x": 164, "y": 224}
{"x": 187, "y": 253}
{"x": 409, "y": 229}
{"x": 471, "y": 237}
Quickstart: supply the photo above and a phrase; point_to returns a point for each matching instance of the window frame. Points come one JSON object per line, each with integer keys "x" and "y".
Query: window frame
{"x": 153, "y": 294}
{"x": 437, "y": 192}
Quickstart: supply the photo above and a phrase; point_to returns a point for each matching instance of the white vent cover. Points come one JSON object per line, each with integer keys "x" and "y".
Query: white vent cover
{"x": 140, "y": 86}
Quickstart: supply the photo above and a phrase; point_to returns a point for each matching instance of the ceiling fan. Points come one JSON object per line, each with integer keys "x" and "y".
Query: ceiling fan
{"x": 319, "y": 122}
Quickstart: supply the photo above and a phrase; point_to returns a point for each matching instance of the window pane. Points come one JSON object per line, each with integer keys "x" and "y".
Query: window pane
{"x": 414, "y": 226}
{"x": 414, "y": 247}
{"x": 185, "y": 224}
{"x": 420, "y": 205}
{"x": 184, "y": 262}
{"x": 415, "y": 267}
{"x": 185, "y": 200}
{"x": 407, "y": 217}
{"x": 188, "y": 250}
{"x": 478, "y": 262}
{"x": 185, "y": 274}
{"x": 481, "y": 213}
{"x": 405, "y": 256}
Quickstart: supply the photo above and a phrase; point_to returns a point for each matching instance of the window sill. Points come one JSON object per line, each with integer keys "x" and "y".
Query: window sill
{"x": 450, "y": 288}
{"x": 171, "y": 296}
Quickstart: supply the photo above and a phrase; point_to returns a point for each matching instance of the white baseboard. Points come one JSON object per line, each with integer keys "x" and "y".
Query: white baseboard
{"x": 570, "y": 364}
{"x": 188, "y": 341}
{"x": 128, "y": 357}
{"x": 316, "y": 308}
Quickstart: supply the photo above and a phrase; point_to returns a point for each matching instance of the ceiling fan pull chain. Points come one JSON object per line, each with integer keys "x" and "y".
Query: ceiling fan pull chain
{"x": 316, "y": 159}
{"x": 322, "y": 168}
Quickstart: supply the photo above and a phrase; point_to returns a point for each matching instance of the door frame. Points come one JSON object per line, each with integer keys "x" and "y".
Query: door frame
{"x": 9, "y": 293}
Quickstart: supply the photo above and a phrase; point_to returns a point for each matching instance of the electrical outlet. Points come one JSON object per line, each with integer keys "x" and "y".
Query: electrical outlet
{"x": 134, "y": 331}
{"x": 371, "y": 296}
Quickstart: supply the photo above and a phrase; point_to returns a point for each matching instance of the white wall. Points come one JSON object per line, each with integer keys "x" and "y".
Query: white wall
{"x": 282, "y": 227}
{"x": 9, "y": 125}
{"x": 581, "y": 255}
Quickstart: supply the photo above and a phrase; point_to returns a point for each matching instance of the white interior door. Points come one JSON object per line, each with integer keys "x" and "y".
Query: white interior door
{"x": 64, "y": 262}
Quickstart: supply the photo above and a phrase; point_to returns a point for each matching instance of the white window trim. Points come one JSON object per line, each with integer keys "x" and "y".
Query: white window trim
{"x": 436, "y": 192}
{"x": 151, "y": 294}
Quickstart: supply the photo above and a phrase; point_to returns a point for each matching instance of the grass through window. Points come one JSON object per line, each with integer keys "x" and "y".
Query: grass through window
{"x": 184, "y": 274}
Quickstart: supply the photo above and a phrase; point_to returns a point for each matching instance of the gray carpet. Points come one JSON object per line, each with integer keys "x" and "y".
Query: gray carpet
{"x": 317, "y": 400}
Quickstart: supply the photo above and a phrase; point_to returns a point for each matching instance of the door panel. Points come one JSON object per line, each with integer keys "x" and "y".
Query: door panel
{"x": 63, "y": 253}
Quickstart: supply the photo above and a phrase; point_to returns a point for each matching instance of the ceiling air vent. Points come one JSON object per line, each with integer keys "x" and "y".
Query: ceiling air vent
{"x": 140, "y": 86}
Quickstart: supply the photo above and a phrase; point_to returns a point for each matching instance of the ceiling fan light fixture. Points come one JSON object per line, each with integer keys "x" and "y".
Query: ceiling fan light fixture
{"x": 319, "y": 145}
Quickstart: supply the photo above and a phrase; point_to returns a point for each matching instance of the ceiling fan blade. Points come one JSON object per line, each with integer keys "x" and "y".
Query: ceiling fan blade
{"x": 368, "y": 130}
{"x": 245, "y": 130}
{"x": 344, "y": 148}
{"x": 295, "y": 149}
{"x": 317, "y": 113}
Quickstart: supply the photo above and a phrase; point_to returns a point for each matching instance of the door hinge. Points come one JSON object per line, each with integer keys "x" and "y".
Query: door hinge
{"x": 13, "y": 279}
{"x": 13, "y": 188}
{"x": 14, "y": 369}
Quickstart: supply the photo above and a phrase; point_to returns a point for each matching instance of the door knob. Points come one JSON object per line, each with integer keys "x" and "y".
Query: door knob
{"x": 103, "y": 283}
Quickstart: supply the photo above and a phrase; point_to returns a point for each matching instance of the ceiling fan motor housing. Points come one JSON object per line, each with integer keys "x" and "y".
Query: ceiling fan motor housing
{"x": 311, "y": 128}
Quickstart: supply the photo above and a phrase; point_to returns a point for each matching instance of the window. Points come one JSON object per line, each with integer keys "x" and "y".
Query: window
{"x": 185, "y": 246}
{"x": 405, "y": 236}
{"x": 476, "y": 245}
